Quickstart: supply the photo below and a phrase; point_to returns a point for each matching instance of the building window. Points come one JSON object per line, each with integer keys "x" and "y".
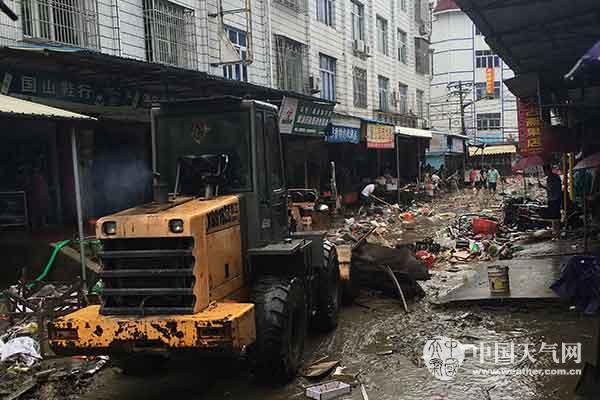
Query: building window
{"x": 358, "y": 21}
{"x": 402, "y": 98}
{"x": 170, "y": 34}
{"x": 70, "y": 22}
{"x": 384, "y": 93}
{"x": 326, "y": 11}
{"x": 290, "y": 57}
{"x": 382, "y": 35}
{"x": 481, "y": 91}
{"x": 403, "y": 5}
{"x": 402, "y": 47}
{"x": 327, "y": 69}
{"x": 488, "y": 121}
{"x": 420, "y": 103}
{"x": 359, "y": 78}
{"x": 237, "y": 72}
{"x": 296, "y": 5}
{"x": 422, "y": 56}
{"x": 485, "y": 59}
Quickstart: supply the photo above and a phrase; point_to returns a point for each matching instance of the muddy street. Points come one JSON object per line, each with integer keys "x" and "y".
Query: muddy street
{"x": 378, "y": 341}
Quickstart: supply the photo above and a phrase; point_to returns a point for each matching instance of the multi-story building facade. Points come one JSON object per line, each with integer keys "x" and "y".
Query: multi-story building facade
{"x": 369, "y": 56}
{"x": 462, "y": 61}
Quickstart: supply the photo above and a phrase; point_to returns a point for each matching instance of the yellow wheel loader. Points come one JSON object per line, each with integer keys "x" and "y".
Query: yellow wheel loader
{"x": 210, "y": 264}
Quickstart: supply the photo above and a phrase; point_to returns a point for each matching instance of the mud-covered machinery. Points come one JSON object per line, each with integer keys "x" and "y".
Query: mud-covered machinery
{"x": 211, "y": 265}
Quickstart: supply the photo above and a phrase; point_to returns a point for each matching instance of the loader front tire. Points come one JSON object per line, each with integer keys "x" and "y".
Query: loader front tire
{"x": 281, "y": 320}
{"x": 329, "y": 296}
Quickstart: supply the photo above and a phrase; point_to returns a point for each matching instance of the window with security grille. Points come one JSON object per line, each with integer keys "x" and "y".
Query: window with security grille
{"x": 359, "y": 78}
{"x": 70, "y": 22}
{"x": 486, "y": 59}
{"x": 402, "y": 98}
{"x": 403, "y": 5}
{"x": 291, "y": 58}
{"x": 422, "y": 56}
{"x": 326, "y": 11}
{"x": 481, "y": 91}
{"x": 237, "y": 72}
{"x": 488, "y": 121}
{"x": 402, "y": 47}
{"x": 384, "y": 93}
{"x": 382, "y": 35}
{"x": 327, "y": 70}
{"x": 170, "y": 34}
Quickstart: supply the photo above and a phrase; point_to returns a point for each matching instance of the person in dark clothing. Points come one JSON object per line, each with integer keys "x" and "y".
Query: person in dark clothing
{"x": 553, "y": 193}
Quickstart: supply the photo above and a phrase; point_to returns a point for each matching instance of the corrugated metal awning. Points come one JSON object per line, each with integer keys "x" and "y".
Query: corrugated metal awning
{"x": 413, "y": 132}
{"x": 493, "y": 150}
{"x": 17, "y": 107}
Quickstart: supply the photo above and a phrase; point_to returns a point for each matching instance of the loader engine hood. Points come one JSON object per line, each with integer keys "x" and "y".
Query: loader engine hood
{"x": 171, "y": 258}
{"x": 185, "y": 216}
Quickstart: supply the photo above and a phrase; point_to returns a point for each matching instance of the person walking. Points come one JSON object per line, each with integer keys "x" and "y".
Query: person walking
{"x": 492, "y": 178}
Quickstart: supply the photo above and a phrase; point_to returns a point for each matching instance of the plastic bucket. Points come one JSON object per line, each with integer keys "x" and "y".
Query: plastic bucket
{"x": 498, "y": 279}
{"x": 484, "y": 226}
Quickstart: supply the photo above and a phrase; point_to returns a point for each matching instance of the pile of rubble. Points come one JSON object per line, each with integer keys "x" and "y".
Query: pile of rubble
{"x": 25, "y": 360}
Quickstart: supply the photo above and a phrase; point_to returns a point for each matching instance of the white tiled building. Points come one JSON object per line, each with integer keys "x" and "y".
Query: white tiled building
{"x": 462, "y": 55}
{"x": 370, "y": 56}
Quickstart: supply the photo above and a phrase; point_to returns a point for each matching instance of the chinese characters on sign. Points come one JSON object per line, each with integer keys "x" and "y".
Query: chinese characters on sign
{"x": 63, "y": 88}
{"x": 343, "y": 134}
{"x": 490, "y": 81}
{"x": 304, "y": 117}
{"x": 530, "y": 127}
{"x": 380, "y": 136}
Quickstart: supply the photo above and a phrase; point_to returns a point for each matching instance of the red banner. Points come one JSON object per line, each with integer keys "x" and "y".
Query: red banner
{"x": 530, "y": 128}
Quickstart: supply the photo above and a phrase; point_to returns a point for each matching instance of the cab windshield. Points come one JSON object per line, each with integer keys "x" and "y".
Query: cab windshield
{"x": 210, "y": 133}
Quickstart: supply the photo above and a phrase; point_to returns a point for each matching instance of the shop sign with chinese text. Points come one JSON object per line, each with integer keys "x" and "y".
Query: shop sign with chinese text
{"x": 304, "y": 117}
{"x": 66, "y": 89}
{"x": 343, "y": 134}
{"x": 380, "y": 136}
{"x": 530, "y": 127}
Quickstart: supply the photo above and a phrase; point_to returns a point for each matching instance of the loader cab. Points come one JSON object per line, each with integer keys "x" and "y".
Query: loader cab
{"x": 245, "y": 133}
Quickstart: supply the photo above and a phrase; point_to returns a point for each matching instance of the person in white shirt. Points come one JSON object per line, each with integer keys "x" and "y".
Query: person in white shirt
{"x": 365, "y": 195}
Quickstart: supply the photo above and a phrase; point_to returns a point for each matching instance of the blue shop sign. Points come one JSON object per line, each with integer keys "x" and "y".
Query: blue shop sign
{"x": 343, "y": 134}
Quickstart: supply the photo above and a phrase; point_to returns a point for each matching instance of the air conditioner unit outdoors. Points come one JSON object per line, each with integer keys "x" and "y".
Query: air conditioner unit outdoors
{"x": 315, "y": 84}
{"x": 359, "y": 46}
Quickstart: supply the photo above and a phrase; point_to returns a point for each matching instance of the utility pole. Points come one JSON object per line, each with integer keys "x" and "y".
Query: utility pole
{"x": 463, "y": 130}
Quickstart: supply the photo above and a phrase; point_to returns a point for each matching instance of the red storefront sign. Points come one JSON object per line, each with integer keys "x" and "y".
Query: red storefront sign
{"x": 530, "y": 127}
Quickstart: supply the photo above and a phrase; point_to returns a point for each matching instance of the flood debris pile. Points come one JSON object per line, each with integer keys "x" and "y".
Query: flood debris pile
{"x": 25, "y": 359}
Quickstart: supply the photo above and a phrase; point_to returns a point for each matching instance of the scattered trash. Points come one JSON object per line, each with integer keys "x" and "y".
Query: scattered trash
{"x": 385, "y": 353}
{"x": 363, "y": 392}
{"x": 319, "y": 368}
{"x": 21, "y": 349}
{"x": 329, "y": 390}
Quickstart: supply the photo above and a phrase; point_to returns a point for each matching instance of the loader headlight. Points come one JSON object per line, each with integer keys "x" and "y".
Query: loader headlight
{"x": 176, "y": 225}
{"x": 109, "y": 227}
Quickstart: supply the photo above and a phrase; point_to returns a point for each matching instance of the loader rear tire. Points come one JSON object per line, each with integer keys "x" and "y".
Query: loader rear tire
{"x": 281, "y": 320}
{"x": 329, "y": 296}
